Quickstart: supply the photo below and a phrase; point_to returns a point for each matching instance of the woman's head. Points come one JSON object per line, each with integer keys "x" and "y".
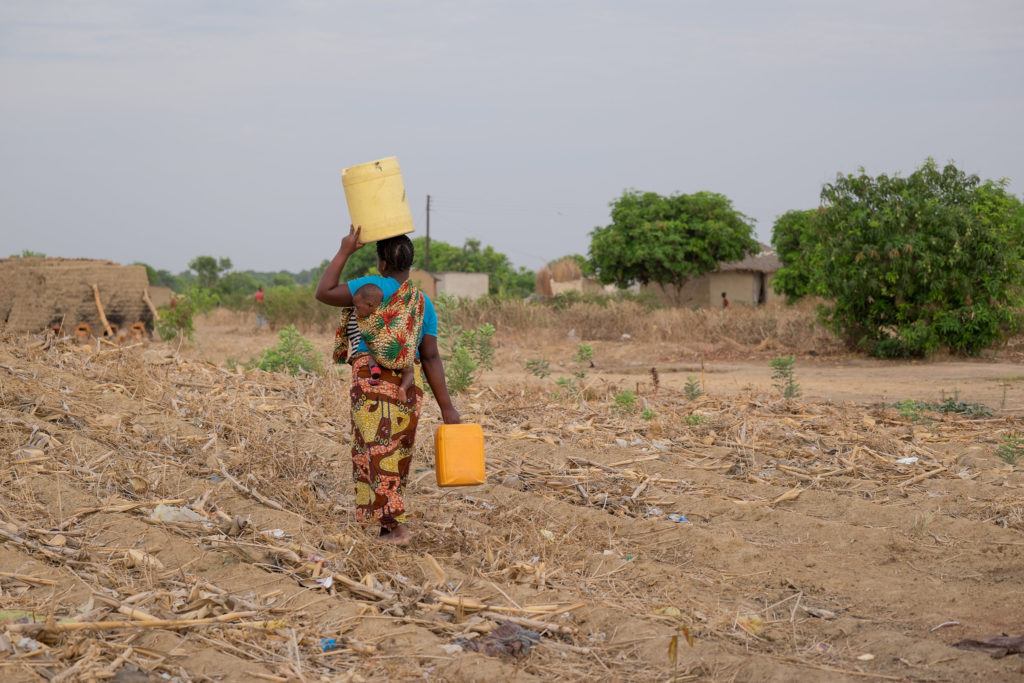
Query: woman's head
{"x": 394, "y": 255}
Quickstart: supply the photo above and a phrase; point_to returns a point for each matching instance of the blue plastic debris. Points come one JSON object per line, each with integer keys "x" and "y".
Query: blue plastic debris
{"x": 328, "y": 644}
{"x": 676, "y": 517}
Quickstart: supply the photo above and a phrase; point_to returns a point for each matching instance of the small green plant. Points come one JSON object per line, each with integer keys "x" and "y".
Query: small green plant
{"x": 910, "y": 410}
{"x": 584, "y": 354}
{"x": 538, "y": 367}
{"x": 466, "y": 351}
{"x": 293, "y": 354}
{"x": 469, "y": 351}
{"x": 176, "y": 322}
{"x": 955, "y": 405}
{"x": 647, "y": 414}
{"x": 480, "y": 344}
{"x": 784, "y": 376}
{"x": 694, "y": 419}
{"x": 692, "y": 388}
{"x": 625, "y": 401}
{"x": 1011, "y": 450}
{"x": 460, "y": 369}
{"x": 569, "y": 385}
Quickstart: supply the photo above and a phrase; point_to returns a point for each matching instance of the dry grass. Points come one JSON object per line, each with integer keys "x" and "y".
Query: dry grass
{"x": 570, "y": 537}
{"x": 792, "y": 328}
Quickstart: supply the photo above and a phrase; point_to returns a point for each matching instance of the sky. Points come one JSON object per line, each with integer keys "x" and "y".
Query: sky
{"x": 154, "y": 131}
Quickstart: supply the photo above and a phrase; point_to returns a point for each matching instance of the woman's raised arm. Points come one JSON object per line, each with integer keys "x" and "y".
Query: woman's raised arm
{"x": 433, "y": 368}
{"x": 330, "y": 290}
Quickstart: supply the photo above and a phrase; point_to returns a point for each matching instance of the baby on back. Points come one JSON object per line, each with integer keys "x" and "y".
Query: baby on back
{"x": 366, "y": 300}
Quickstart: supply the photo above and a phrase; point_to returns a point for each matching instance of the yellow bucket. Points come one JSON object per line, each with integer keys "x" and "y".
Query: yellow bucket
{"x": 376, "y": 199}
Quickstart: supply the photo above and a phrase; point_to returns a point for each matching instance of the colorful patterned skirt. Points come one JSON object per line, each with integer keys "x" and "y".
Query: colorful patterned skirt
{"x": 383, "y": 436}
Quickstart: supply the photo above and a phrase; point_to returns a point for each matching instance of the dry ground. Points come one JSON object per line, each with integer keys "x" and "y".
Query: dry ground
{"x": 809, "y": 554}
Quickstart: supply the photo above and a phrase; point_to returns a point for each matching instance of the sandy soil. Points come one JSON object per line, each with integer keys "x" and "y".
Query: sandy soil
{"x": 830, "y": 538}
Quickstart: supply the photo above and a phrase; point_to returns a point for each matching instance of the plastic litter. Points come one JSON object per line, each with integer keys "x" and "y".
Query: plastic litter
{"x": 676, "y": 517}
{"x": 328, "y": 644}
{"x": 325, "y": 582}
{"x": 510, "y": 640}
{"x": 28, "y": 644}
{"x": 175, "y": 515}
{"x": 654, "y": 512}
{"x": 907, "y": 461}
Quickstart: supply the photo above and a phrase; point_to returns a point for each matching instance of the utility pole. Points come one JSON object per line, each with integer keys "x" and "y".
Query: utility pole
{"x": 426, "y": 254}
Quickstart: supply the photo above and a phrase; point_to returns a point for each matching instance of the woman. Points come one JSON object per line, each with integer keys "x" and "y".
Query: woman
{"x": 383, "y": 427}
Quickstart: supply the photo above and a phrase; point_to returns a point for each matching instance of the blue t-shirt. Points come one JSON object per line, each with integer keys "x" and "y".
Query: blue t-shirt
{"x": 389, "y": 286}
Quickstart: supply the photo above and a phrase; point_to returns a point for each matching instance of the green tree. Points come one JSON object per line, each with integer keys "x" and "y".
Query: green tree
{"x": 668, "y": 240}
{"x": 208, "y": 269}
{"x": 793, "y": 239}
{"x": 915, "y": 264}
{"x": 160, "y": 278}
{"x": 472, "y": 257}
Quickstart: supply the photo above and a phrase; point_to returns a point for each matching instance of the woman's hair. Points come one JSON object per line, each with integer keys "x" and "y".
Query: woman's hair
{"x": 396, "y": 253}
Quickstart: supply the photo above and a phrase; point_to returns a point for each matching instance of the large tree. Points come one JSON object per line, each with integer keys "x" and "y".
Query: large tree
{"x": 209, "y": 269}
{"x": 668, "y": 240}
{"x": 793, "y": 238}
{"x": 471, "y": 257}
{"x": 911, "y": 265}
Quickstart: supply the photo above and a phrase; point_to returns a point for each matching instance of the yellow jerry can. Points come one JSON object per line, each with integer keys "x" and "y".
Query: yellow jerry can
{"x": 459, "y": 455}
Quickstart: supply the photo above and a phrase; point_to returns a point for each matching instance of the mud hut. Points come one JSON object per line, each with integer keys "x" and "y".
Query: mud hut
{"x": 561, "y": 276}
{"x": 51, "y": 293}
{"x": 747, "y": 282}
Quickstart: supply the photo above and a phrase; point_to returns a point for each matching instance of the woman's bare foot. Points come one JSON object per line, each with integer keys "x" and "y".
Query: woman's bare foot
{"x": 403, "y": 395}
{"x": 400, "y": 535}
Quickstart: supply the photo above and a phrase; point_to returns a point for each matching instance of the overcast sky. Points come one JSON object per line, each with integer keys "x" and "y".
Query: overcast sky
{"x": 156, "y": 131}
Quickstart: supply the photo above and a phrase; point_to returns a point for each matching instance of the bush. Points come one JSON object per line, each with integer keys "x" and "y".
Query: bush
{"x": 176, "y": 322}
{"x": 203, "y": 299}
{"x": 465, "y": 351}
{"x": 293, "y": 354}
{"x": 917, "y": 264}
{"x": 297, "y": 306}
{"x": 784, "y": 377}
{"x": 625, "y": 401}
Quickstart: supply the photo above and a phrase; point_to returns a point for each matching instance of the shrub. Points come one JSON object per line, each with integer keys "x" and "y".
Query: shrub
{"x": 692, "y": 388}
{"x": 625, "y": 401}
{"x": 293, "y": 305}
{"x": 176, "y": 322}
{"x": 912, "y": 265}
{"x": 538, "y": 367}
{"x": 465, "y": 351}
{"x": 1011, "y": 449}
{"x": 784, "y": 376}
{"x": 293, "y": 354}
{"x": 203, "y": 300}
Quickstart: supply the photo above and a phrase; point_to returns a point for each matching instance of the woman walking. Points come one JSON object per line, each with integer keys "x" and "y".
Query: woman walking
{"x": 383, "y": 426}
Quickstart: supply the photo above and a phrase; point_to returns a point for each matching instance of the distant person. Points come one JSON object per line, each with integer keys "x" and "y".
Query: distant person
{"x": 725, "y": 301}
{"x": 261, "y": 314}
{"x": 384, "y": 427}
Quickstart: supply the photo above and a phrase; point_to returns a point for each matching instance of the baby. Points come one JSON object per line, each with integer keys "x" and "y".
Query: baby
{"x": 366, "y": 300}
